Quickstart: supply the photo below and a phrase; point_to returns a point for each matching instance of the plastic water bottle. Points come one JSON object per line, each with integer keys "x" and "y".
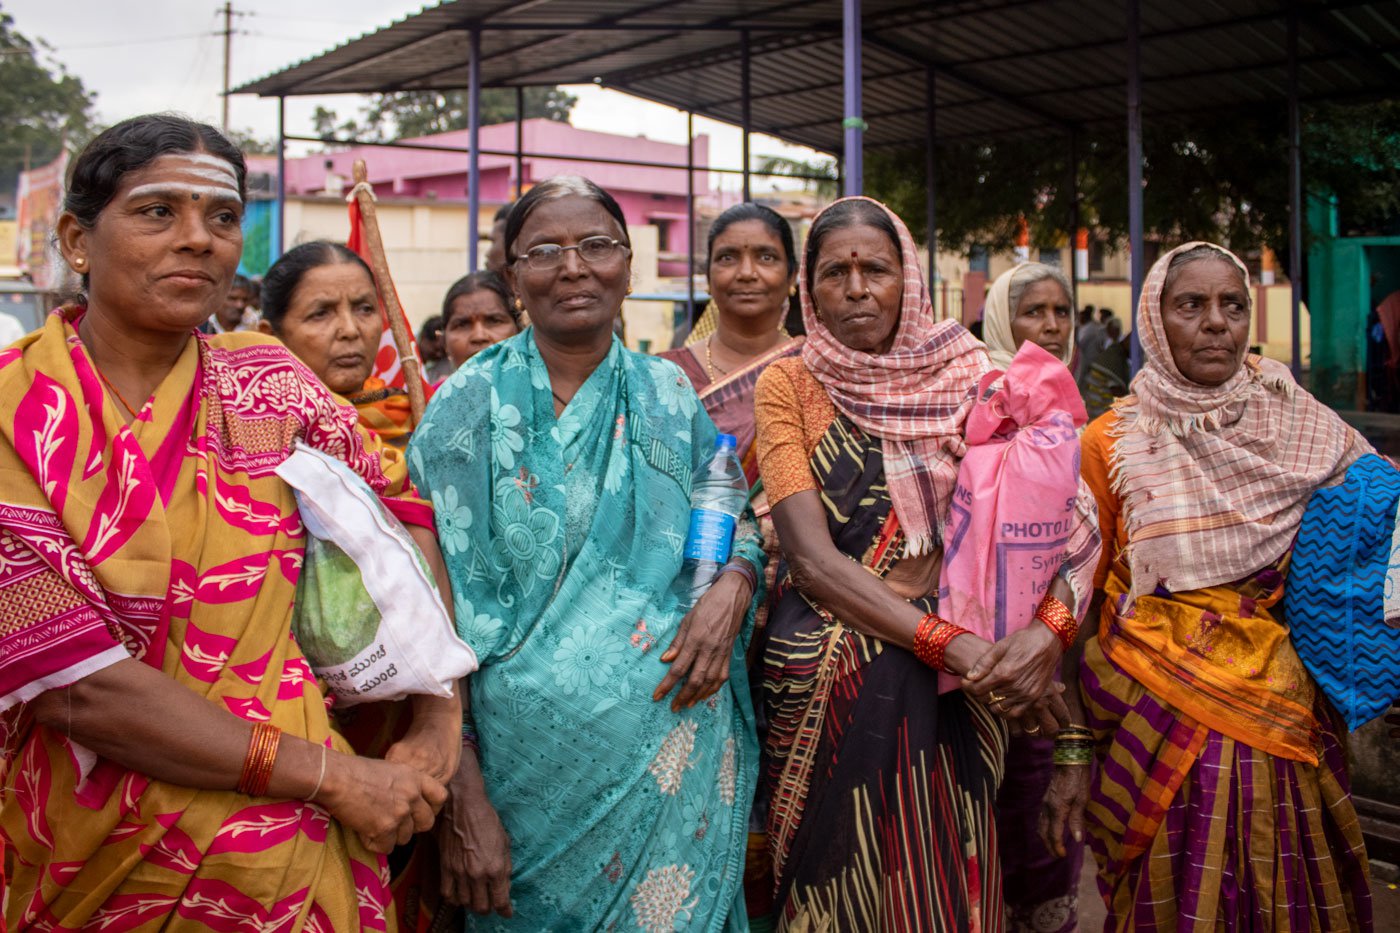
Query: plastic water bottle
{"x": 718, "y": 495}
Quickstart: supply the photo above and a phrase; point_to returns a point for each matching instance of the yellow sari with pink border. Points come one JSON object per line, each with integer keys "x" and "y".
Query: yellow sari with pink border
{"x": 171, "y": 541}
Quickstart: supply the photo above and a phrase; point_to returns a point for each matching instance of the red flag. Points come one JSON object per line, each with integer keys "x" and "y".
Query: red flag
{"x": 387, "y": 365}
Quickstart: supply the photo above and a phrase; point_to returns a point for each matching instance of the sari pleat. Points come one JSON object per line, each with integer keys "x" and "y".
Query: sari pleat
{"x": 1193, "y": 829}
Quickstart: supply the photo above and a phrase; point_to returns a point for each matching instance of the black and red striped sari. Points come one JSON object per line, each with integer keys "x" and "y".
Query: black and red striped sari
{"x": 879, "y": 791}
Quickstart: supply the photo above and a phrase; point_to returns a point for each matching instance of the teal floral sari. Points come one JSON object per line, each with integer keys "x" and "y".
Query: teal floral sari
{"x": 562, "y": 538}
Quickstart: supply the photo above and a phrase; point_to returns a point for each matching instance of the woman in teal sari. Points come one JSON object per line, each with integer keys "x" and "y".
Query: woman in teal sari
{"x": 613, "y": 734}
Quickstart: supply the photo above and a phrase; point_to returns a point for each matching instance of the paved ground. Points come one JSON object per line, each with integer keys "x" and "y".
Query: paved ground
{"x": 1091, "y": 913}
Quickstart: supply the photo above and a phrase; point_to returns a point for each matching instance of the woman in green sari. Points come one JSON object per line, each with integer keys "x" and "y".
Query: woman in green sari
{"x": 616, "y": 750}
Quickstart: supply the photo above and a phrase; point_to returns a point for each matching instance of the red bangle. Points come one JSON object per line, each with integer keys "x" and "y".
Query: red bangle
{"x": 1058, "y": 619}
{"x": 931, "y": 640}
{"x": 262, "y": 755}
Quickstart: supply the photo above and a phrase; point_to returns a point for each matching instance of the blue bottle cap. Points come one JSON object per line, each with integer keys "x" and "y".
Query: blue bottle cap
{"x": 723, "y": 441}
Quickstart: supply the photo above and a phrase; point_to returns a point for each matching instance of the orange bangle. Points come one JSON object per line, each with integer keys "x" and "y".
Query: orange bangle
{"x": 931, "y": 640}
{"x": 262, "y": 755}
{"x": 1058, "y": 619}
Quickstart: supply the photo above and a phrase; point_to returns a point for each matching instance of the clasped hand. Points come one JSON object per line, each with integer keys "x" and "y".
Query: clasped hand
{"x": 1015, "y": 678}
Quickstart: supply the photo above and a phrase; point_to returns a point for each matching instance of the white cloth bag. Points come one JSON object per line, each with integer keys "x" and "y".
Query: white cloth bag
{"x": 368, "y": 616}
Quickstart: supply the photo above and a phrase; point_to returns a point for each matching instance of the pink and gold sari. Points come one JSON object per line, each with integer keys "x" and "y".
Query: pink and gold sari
{"x": 170, "y": 541}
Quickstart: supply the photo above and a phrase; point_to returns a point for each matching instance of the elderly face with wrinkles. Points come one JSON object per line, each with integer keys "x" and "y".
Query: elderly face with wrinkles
{"x": 161, "y": 255}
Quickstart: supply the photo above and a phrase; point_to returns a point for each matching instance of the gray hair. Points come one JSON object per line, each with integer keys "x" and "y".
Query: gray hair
{"x": 1026, "y": 275}
{"x": 1199, "y": 254}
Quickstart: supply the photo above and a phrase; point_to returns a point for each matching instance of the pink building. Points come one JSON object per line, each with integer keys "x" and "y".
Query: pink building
{"x": 648, "y": 195}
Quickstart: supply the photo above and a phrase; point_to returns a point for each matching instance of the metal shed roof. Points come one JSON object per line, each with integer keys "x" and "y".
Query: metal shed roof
{"x": 1002, "y": 66}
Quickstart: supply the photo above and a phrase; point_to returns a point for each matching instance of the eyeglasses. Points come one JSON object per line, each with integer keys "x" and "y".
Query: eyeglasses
{"x": 592, "y": 250}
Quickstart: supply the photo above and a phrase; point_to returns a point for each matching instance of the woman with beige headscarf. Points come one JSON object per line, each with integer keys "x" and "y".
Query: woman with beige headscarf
{"x": 1220, "y": 800}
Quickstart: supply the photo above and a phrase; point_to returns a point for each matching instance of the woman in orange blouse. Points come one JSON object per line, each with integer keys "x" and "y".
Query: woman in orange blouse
{"x": 880, "y": 789}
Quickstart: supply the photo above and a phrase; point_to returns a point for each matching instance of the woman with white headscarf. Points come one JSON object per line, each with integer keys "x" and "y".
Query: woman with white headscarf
{"x": 1032, "y": 302}
{"x": 1029, "y": 302}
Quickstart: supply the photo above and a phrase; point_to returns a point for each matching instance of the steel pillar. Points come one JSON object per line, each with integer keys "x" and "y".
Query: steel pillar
{"x": 1295, "y": 197}
{"x": 1073, "y": 220}
{"x": 519, "y": 141}
{"x": 930, "y": 179}
{"x": 745, "y": 91}
{"x": 278, "y": 236}
{"x": 690, "y": 218}
{"x": 853, "y": 126}
{"x": 1135, "y": 174}
{"x": 474, "y": 137}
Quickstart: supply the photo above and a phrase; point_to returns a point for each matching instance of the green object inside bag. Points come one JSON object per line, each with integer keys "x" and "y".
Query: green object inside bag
{"x": 335, "y": 618}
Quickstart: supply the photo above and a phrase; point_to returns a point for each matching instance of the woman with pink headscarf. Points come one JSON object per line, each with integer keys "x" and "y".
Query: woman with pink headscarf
{"x": 879, "y": 789}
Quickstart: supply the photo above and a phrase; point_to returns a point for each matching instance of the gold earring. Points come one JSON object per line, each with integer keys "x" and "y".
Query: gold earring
{"x": 519, "y": 305}
{"x": 792, "y": 291}
{"x": 79, "y": 261}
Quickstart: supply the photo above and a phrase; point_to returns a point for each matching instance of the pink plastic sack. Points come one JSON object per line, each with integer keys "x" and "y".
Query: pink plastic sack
{"x": 1013, "y": 507}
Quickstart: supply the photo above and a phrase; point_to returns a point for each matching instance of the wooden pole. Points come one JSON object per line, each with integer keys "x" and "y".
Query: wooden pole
{"x": 398, "y": 323}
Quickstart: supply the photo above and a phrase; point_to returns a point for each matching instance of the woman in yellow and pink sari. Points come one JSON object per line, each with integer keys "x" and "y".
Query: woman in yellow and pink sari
{"x": 170, "y": 763}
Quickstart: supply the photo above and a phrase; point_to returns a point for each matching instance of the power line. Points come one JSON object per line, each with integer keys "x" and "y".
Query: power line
{"x": 108, "y": 45}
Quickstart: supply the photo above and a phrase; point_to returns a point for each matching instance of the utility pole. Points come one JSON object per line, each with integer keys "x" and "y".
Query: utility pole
{"x": 228, "y": 47}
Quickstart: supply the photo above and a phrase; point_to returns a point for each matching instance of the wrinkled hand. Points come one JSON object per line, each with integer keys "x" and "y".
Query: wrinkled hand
{"x": 383, "y": 802}
{"x": 1064, "y": 807}
{"x": 1019, "y": 669}
{"x": 475, "y": 850}
{"x": 701, "y": 651}
{"x": 433, "y": 743}
{"x": 1045, "y": 716}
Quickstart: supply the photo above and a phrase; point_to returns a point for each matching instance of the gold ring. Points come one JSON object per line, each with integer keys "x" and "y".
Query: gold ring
{"x": 996, "y": 697}
{"x": 1035, "y": 731}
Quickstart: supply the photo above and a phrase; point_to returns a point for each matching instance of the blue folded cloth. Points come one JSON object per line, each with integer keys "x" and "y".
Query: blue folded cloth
{"x": 1345, "y": 569}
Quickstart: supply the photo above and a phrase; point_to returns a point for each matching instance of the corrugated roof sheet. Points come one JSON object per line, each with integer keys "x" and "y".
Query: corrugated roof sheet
{"x": 1002, "y": 66}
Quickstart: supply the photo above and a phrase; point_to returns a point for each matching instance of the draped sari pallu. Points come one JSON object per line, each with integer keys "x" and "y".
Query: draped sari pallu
{"x": 169, "y": 541}
{"x": 563, "y": 536}
{"x": 880, "y": 790}
{"x": 1207, "y": 725}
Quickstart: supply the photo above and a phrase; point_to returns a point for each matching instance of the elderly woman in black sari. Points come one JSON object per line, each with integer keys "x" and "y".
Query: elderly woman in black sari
{"x": 881, "y": 790}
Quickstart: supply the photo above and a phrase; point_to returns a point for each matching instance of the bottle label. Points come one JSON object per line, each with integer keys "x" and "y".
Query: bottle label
{"x": 711, "y": 536}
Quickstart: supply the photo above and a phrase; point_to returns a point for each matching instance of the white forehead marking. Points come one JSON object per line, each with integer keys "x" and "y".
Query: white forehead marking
{"x": 162, "y": 187}
{"x": 204, "y": 158}
{"x": 213, "y": 174}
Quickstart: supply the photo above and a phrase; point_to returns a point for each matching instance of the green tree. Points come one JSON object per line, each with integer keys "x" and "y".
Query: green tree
{"x": 42, "y": 106}
{"x": 250, "y": 144}
{"x": 1221, "y": 177}
{"x": 819, "y": 175}
{"x": 405, "y": 114}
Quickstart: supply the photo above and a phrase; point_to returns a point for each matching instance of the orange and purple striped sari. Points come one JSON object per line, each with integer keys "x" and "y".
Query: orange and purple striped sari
{"x": 1220, "y": 800}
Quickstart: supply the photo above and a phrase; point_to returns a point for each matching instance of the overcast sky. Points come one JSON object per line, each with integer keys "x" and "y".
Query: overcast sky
{"x": 150, "y": 55}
